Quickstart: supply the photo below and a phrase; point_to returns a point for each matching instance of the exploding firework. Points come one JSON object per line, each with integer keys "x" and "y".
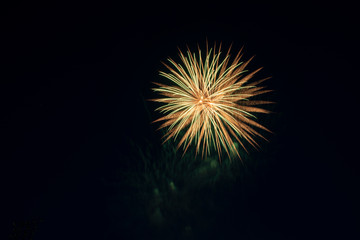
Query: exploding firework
{"x": 208, "y": 102}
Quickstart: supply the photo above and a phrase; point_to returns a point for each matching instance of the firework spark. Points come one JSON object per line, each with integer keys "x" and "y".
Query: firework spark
{"x": 207, "y": 103}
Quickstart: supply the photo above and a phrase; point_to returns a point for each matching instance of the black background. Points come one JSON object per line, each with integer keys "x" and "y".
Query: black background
{"x": 74, "y": 77}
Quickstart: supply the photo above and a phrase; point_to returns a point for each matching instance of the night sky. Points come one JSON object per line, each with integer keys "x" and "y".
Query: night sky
{"x": 74, "y": 84}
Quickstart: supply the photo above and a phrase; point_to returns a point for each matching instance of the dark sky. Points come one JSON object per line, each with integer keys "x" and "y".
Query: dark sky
{"x": 74, "y": 77}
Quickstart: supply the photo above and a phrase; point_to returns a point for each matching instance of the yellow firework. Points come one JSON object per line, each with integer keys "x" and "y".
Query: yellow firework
{"x": 207, "y": 103}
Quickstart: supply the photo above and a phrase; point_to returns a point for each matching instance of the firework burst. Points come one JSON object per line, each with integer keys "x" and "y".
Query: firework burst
{"x": 208, "y": 102}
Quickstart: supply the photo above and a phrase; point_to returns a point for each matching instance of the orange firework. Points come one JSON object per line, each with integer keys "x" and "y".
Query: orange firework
{"x": 207, "y": 103}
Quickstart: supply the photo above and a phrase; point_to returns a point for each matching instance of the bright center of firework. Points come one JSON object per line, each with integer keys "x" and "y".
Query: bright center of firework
{"x": 201, "y": 99}
{"x": 205, "y": 101}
